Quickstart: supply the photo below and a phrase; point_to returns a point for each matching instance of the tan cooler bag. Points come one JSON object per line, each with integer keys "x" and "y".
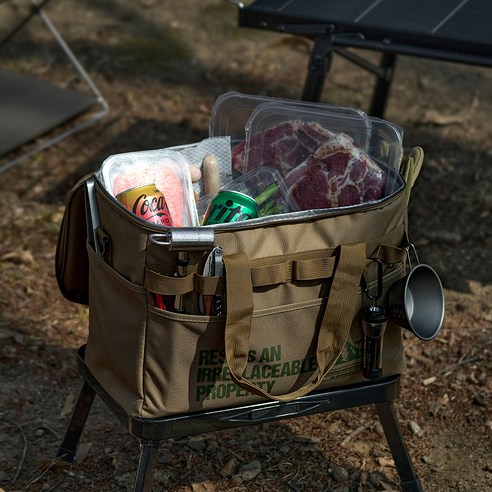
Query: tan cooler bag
{"x": 291, "y": 293}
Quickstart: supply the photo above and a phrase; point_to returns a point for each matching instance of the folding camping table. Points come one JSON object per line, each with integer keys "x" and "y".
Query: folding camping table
{"x": 30, "y": 108}
{"x": 447, "y": 30}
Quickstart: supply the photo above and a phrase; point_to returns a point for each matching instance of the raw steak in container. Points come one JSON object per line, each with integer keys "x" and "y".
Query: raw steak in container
{"x": 320, "y": 168}
{"x": 281, "y": 147}
{"x": 337, "y": 174}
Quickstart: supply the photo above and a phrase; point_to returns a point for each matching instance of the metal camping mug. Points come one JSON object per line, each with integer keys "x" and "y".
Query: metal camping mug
{"x": 416, "y": 302}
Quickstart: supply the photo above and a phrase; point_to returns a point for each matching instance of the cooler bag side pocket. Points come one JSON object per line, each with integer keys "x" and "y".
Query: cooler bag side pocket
{"x": 115, "y": 351}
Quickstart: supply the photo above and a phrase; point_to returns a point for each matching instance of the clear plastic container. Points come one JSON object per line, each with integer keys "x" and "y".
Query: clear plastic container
{"x": 263, "y": 184}
{"x": 340, "y": 174}
{"x": 394, "y": 180}
{"x": 260, "y": 133}
{"x": 166, "y": 169}
{"x": 269, "y": 142}
{"x": 380, "y": 138}
{"x": 386, "y": 142}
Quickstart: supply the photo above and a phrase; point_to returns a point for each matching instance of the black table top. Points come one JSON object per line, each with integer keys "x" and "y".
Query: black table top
{"x": 460, "y": 26}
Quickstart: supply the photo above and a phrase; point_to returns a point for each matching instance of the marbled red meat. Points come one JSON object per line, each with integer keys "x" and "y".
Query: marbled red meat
{"x": 282, "y": 147}
{"x": 337, "y": 174}
{"x": 321, "y": 169}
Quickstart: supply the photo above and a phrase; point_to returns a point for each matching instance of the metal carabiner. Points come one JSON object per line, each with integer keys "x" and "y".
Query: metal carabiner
{"x": 374, "y": 297}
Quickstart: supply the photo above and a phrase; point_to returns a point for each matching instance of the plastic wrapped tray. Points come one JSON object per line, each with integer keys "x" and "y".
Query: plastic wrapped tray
{"x": 166, "y": 169}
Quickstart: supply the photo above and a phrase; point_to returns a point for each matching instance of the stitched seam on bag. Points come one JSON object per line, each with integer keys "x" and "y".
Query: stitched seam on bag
{"x": 185, "y": 318}
{"x": 289, "y": 307}
{"x": 143, "y": 367}
{"x": 195, "y": 318}
{"x": 389, "y": 276}
{"x": 372, "y": 245}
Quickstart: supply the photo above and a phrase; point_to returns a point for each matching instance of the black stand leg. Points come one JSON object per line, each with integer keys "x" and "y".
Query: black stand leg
{"x": 383, "y": 84}
{"x": 320, "y": 63}
{"x": 409, "y": 480}
{"x": 318, "y": 67}
{"x": 146, "y": 464}
{"x": 68, "y": 447}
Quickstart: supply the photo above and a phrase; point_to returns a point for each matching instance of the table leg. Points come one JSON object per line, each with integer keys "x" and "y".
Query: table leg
{"x": 318, "y": 66}
{"x": 68, "y": 447}
{"x": 383, "y": 85}
{"x": 409, "y": 480}
{"x": 146, "y": 465}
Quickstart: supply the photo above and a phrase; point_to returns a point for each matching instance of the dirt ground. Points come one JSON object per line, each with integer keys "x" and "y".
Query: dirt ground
{"x": 161, "y": 65}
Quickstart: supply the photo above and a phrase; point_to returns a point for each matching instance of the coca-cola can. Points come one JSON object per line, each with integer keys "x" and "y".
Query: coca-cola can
{"x": 148, "y": 203}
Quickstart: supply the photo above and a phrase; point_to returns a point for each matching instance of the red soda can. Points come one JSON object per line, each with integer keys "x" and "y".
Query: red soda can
{"x": 148, "y": 203}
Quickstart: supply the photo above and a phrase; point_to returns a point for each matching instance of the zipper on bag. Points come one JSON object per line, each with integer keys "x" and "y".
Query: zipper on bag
{"x": 161, "y": 235}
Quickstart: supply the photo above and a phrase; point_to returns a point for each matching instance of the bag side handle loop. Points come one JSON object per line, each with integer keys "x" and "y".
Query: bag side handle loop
{"x": 411, "y": 169}
{"x": 335, "y": 325}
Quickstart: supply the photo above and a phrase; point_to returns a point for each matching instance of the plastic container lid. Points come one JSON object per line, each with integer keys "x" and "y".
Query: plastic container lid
{"x": 271, "y": 114}
{"x": 265, "y": 185}
{"x": 386, "y": 142}
{"x": 232, "y": 110}
{"x": 320, "y": 123}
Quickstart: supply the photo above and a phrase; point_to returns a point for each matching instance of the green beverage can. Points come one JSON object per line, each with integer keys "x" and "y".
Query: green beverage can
{"x": 230, "y": 206}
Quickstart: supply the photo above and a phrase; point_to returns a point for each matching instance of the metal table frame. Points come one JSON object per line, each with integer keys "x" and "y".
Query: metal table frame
{"x": 334, "y": 34}
{"x": 151, "y": 432}
{"x": 96, "y": 98}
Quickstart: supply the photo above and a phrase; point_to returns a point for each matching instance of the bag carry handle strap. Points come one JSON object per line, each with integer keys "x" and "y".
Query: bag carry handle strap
{"x": 334, "y": 329}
